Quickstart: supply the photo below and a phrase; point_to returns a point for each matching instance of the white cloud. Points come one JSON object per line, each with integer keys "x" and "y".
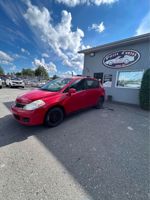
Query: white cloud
{"x": 38, "y": 62}
{"x": 50, "y": 67}
{"x": 16, "y": 56}
{"x": 45, "y": 55}
{"x": 64, "y": 42}
{"x": 66, "y": 74}
{"x": 13, "y": 68}
{"x": 72, "y": 3}
{"x": 22, "y": 50}
{"x": 13, "y": 11}
{"x": 98, "y": 27}
{"x": 144, "y": 27}
{"x": 70, "y": 73}
{"x": 5, "y": 58}
{"x": 25, "y": 51}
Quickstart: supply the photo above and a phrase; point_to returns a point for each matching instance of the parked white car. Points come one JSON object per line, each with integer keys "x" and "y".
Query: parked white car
{"x": 14, "y": 82}
{"x": 1, "y": 83}
{"x": 118, "y": 60}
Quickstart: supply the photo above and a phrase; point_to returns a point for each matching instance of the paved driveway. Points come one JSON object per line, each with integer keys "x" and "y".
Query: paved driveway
{"x": 92, "y": 155}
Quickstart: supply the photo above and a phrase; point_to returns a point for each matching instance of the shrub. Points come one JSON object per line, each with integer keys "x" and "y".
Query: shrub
{"x": 145, "y": 91}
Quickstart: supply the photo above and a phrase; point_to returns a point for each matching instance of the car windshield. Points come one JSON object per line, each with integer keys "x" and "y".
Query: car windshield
{"x": 56, "y": 85}
{"x": 15, "y": 79}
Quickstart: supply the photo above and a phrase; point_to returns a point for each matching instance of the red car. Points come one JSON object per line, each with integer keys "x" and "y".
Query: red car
{"x": 56, "y": 99}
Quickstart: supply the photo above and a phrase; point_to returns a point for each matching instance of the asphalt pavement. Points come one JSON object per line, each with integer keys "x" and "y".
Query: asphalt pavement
{"x": 93, "y": 155}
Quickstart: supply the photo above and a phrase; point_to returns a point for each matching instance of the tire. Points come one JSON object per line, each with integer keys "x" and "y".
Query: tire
{"x": 1, "y": 87}
{"x": 100, "y": 103}
{"x": 54, "y": 117}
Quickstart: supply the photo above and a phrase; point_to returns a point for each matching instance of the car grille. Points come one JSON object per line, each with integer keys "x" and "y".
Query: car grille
{"x": 17, "y": 82}
{"x": 19, "y": 105}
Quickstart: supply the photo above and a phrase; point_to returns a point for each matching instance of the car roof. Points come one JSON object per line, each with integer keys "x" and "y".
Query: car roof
{"x": 79, "y": 77}
{"x": 83, "y": 77}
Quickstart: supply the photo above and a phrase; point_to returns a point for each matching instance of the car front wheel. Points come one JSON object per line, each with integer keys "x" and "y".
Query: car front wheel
{"x": 54, "y": 117}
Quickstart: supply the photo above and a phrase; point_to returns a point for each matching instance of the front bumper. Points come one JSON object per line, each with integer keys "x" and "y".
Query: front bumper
{"x": 30, "y": 118}
{"x": 18, "y": 84}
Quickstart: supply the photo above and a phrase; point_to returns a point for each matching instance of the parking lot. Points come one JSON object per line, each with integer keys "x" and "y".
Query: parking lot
{"x": 93, "y": 155}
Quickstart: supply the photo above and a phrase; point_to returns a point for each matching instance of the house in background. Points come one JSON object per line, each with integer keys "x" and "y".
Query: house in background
{"x": 120, "y": 66}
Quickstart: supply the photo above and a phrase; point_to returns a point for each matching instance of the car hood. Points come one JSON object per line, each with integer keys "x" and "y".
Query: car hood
{"x": 17, "y": 81}
{"x": 34, "y": 95}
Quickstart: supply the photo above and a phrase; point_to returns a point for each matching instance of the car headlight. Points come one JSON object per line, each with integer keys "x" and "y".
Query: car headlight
{"x": 34, "y": 105}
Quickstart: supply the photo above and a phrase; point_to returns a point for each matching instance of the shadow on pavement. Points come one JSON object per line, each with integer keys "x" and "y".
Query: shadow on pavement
{"x": 11, "y": 131}
{"x": 107, "y": 160}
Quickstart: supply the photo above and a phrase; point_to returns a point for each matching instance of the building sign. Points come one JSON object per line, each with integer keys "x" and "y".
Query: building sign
{"x": 120, "y": 59}
{"x": 107, "y": 81}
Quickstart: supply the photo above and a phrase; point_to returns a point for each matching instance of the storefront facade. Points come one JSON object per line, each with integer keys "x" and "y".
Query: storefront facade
{"x": 120, "y": 65}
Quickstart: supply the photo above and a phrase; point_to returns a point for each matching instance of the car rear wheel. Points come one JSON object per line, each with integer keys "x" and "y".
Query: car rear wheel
{"x": 54, "y": 117}
{"x": 0, "y": 86}
{"x": 100, "y": 103}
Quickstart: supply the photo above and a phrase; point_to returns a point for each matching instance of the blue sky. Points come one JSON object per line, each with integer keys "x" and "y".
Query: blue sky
{"x": 51, "y": 32}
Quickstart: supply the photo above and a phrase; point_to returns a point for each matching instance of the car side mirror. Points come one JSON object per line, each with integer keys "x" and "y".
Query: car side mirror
{"x": 72, "y": 91}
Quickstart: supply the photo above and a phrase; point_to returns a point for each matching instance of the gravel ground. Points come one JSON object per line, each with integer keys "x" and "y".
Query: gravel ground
{"x": 93, "y": 155}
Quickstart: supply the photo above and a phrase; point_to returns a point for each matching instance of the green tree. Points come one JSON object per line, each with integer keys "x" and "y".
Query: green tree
{"x": 18, "y": 73}
{"x": 1, "y": 71}
{"x": 145, "y": 91}
{"x": 41, "y": 73}
{"x": 27, "y": 72}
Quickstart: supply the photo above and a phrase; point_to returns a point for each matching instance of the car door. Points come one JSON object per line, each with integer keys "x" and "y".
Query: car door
{"x": 75, "y": 101}
{"x": 92, "y": 91}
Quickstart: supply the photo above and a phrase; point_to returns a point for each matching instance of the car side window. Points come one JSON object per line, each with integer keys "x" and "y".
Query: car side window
{"x": 90, "y": 84}
{"x": 78, "y": 85}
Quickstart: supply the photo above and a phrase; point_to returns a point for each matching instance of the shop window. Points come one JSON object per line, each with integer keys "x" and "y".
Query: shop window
{"x": 98, "y": 76}
{"x": 107, "y": 82}
{"x": 129, "y": 79}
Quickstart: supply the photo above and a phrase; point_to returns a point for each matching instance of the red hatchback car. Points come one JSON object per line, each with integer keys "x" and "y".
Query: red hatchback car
{"x": 49, "y": 104}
